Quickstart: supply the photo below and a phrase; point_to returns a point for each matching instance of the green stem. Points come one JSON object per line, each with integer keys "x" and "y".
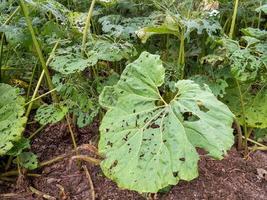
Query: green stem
{"x": 38, "y": 48}
{"x": 259, "y": 18}
{"x": 36, "y": 132}
{"x": 239, "y": 135}
{"x": 39, "y": 97}
{"x": 30, "y": 84}
{"x": 243, "y": 116}
{"x": 181, "y": 59}
{"x": 233, "y": 20}
{"x": 87, "y": 26}
{"x": 72, "y": 135}
{"x": 1, "y": 55}
{"x": 39, "y": 83}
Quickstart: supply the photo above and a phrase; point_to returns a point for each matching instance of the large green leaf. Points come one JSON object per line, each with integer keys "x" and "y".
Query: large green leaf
{"x": 11, "y": 117}
{"x": 149, "y": 144}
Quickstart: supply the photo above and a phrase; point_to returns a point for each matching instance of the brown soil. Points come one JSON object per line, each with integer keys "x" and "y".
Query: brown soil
{"x": 231, "y": 178}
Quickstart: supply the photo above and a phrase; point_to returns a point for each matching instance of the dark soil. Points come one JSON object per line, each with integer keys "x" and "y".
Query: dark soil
{"x": 231, "y": 178}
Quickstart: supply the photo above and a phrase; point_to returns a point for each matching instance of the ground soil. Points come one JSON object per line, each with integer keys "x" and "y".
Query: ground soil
{"x": 232, "y": 178}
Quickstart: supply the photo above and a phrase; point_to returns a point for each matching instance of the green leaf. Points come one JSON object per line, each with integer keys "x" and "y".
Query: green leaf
{"x": 52, "y": 113}
{"x": 255, "y": 106}
{"x": 28, "y": 160}
{"x": 108, "y": 97}
{"x": 262, "y": 8}
{"x": 112, "y": 51}
{"x": 122, "y": 27}
{"x": 57, "y": 9}
{"x": 71, "y": 63}
{"x": 77, "y": 97}
{"x": 11, "y": 117}
{"x": 217, "y": 86}
{"x": 260, "y": 135}
{"x": 255, "y": 32}
{"x": 19, "y": 146}
{"x": 244, "y": 65}
{"x": 69, "y": 59}
{"x": 149, "y": 144}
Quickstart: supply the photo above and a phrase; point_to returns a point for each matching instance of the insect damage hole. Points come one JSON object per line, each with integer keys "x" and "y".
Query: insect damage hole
{"x": 202, "y": 107}
{"x": 188, "y": 116}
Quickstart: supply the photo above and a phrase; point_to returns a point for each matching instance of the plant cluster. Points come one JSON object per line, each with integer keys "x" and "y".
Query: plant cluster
{"x": 163, "y": 77}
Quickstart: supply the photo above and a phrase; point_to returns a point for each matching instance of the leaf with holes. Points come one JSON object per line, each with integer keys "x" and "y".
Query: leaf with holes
{"x": 71, "y": 63}
{"x": 11, "y": 117}
{"x": 149, "y": 143}
{"x": 19, "y": 146}
{"x": 52, "y": 113}
{"x": 27, "y": 160}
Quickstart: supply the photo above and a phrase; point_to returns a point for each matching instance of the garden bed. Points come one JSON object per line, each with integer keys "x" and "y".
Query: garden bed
{"x": 230, "y": 178}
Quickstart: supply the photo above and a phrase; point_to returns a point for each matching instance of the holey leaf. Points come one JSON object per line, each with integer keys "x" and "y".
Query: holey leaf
{"x": 11, "y": 117}
{"x": 52, "y": 113}
{"x": 149, "y": 144}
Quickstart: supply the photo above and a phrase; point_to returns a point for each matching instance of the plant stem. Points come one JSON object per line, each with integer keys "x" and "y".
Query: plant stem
{"x": 259, "y": 18}
{"x": 87, "y": 26}
{"x": 89, "y": 181}
{"x": 243, "y": 116}
{"x": 1, "y": 55}
{"x": 31, "y": 81}
{"x": 233, "y": 20}
{"x": 255, "y": 142}
{"x": 72, "y": 134}
{"x": 11, "y": 16}
{"x": 39, "y": 83}
{"x": 39, "y": 97}
{"x": 181, "y": 60}
{"x": 239, "y": 135}
{"x": 37, "y": 131}
{"x": 38, "y": 48}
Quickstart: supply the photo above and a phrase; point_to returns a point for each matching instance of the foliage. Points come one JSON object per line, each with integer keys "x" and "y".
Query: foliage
{"x": 52, "y": 113}
{"x": 196, "y": 50}
{"x": 27, "y": 160}
{"x": 150, "y": 144}
{"x": 11, "y": 117}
